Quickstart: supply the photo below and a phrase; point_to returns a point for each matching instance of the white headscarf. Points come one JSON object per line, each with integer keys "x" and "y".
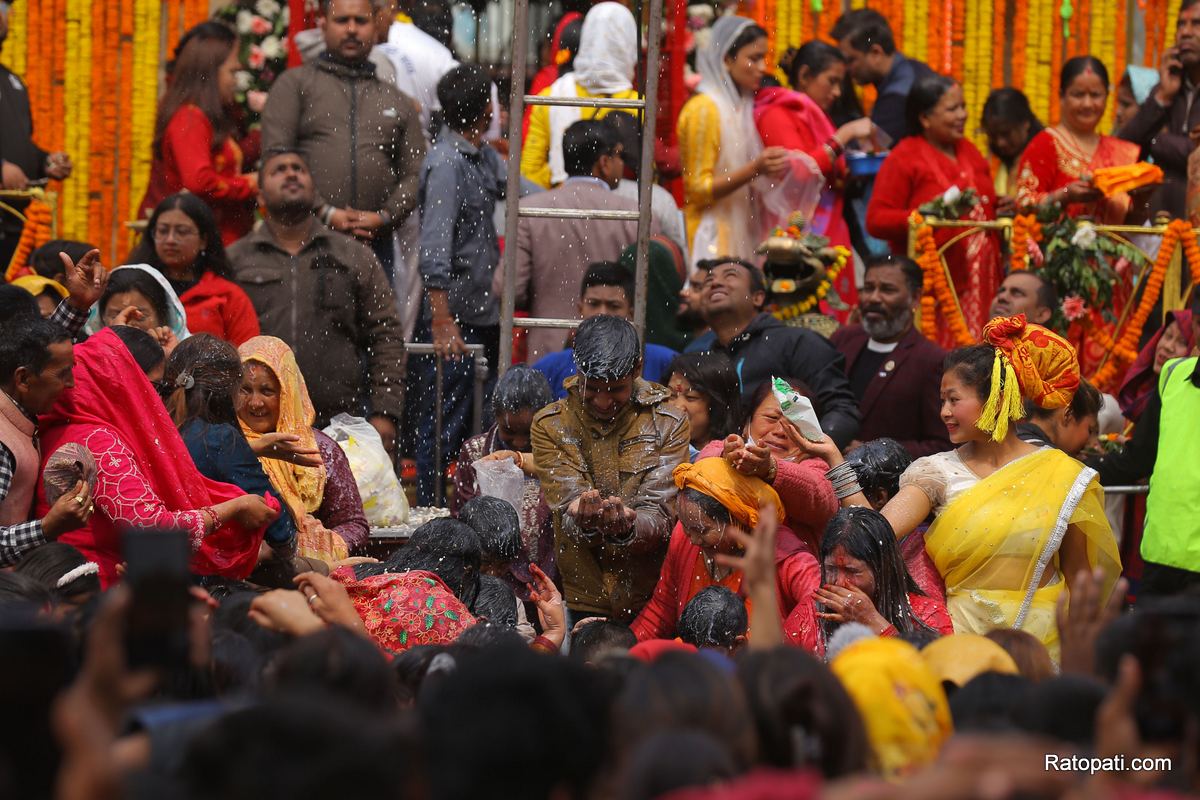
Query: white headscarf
{"x": 605, "y": 64}
{"x": 176, "y": 315}
{"x": 607, "y": 50}
{"x": 740, "y": 142}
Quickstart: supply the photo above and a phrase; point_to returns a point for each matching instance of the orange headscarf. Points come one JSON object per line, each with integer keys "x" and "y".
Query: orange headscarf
{"x": 741, "y": 494}
{"x": 1032, "y": 362}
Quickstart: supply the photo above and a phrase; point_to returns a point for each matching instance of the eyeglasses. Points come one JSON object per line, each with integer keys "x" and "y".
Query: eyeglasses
{"x": 163, "y": 232}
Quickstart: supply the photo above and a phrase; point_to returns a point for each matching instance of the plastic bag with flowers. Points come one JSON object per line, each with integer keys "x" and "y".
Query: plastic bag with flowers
{"x": 262, "y": 29}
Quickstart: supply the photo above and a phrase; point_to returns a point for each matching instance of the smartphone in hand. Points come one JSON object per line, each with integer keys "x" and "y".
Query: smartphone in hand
{"x": 156, "y": 571}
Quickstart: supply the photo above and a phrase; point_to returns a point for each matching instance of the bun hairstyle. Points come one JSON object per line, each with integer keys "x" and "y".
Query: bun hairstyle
{"x": 1017, "y": 360}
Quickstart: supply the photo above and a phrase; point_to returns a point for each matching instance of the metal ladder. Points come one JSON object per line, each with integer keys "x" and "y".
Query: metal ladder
{"x": 513, "y": 212}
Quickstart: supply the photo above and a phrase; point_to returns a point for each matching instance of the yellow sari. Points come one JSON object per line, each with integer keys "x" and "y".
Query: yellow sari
{"x": 994, "y": 543}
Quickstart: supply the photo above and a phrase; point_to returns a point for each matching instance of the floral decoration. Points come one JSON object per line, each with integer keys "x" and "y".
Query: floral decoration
{"x": 262, "y": 29}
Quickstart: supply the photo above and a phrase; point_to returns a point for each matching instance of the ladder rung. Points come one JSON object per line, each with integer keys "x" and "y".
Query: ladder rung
{"x": 578, "y": 213}
{"x": 544, "y": 322}
{"x": 582, "y": 102}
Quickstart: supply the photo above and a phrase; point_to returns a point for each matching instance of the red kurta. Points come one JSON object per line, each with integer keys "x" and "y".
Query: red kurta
{"x": 189, "y": 162}
{"x": 916, "y": 172}
{"x": 220, "y": 307}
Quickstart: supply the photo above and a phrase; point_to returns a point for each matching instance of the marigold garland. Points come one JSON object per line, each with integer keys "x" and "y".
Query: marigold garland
{"x": 1025, "y": 229}
{"x": 810, "y": 302}
{"x": 943, "y": 298}
{"x": 36, "y": 233}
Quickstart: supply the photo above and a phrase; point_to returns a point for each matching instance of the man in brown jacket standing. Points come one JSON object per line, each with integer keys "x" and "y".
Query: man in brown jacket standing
{"x": 361, "y": 137}
{"x": 325, "y": 295}
{"x": 605, "y": 456}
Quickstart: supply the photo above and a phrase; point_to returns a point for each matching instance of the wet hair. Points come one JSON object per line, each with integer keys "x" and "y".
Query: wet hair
{"x": 879, "y": 464}
{"x": 988, "y": 703}
{"x": 763, "y": 389}
{"x": 144, "y": 348}
{"x": 685, "y": 691}
{"x": 251, "y": 753}
{"x": 749, "y": 35}
{"x": 601, "y": 638}
{"x": 871, "y": 31}
{"x": 192, "y": 80}
{"x": 16, "y": 304}
{"x": 914, "y": 277}
{"x": 550, "y": 715}
{"x": 465, "y": 94}
{"x": 973, "y": 366}
{"x": 712, "y": 375}
{"x": 1087, "y": 402}
{"x": 496, "y": 602}
{"x": 1074, "y": 67}
{"x": 715, "y": 617}
{"x": 584, "y": 143}
{"x": 521, "y": 387}
{"x": 607, "y": 348}
{"x": 26, "y": 343}
{"x": 608, "y": 273}
{"x": 17, "y": 589}
{"x": 212, "y": 257}
{"x": 45, "y": 260}
{"x": 711, "y": 506}
{"x": 803, "y": 714}
{"x": 490, "y": 635}
{"x": 923, "y": 98}
{"x": 1012, "y": 106}
{"x": 676, "y": 759}
{"x": 201, "y": 376}
{"x": 338, "y": 662}
{"x": 447, "y": 548}
{"x": 815, "y": 56}
{"x": 50, "y": 562}
{"x": 866, "y": 535}
{"x": 496, "y": 524}
{"x": 1063, "y": 708}
{"x": 130, "y": 280}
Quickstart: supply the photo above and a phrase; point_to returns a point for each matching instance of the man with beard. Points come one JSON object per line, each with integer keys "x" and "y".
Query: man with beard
{"x": 1163, "y": 123}
{"x": 894, "y": 371}
{"x": 324, "y": 294}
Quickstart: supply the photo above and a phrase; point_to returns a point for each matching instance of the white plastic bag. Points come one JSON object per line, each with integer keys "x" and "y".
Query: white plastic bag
{"x": 501, "y": 478}
{"x": 384, "y": 502}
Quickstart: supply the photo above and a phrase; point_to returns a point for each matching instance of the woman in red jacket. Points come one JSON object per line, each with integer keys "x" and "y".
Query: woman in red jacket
{"x": 713, "y": 496}
{"x": 182, "y": 242}
{"x": 931, "y": 160}
{"x": 194, "y": 146}
{"x": 798, "y": 119}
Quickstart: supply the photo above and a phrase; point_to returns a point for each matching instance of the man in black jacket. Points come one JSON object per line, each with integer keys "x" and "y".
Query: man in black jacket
{"x": 761, "y": 346}
{"x": 21, "y": 161}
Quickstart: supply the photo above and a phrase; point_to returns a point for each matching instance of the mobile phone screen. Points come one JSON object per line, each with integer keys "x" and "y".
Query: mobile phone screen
{"x": 157, "y": 573}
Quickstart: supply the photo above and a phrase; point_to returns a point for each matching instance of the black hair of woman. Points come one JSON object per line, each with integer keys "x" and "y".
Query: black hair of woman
{"x": 496, "y": 524}
{"x": 749, "y": 35}
{"x": 200, "y": 379}
{"x": 144, "y": 348}
{"x": 1010, "y": 106}
{"x": 1074, "y": 67}
{"x": 815, "y": 56}
{"x": 447, "y": 548}
{"x": 136, "y": 280}
{"x": 923, "y": 98}
{"x": 879, "y": 464}
{"x": 212, "y": 257}
{"x": 713, "y": 375}
{"x": 521, "y": 388}
{"x": 51, "y": 562}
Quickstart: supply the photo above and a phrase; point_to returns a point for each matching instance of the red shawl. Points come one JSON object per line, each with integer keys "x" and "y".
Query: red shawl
{"x": 1140, "y": 379}
{"x": 406, "y": 609}
{"x": 112, "y": 398}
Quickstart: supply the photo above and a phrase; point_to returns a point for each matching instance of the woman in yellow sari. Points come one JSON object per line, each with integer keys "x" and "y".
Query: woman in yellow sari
{"x": 322, "y": 497}
{"x": 1013, "y": 523}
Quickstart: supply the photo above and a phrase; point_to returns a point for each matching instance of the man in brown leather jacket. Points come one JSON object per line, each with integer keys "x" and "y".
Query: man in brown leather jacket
{"x": 605, "y": 456}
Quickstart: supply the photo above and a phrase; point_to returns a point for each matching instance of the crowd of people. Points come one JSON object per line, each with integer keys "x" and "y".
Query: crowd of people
{"x": 733, "y": 556}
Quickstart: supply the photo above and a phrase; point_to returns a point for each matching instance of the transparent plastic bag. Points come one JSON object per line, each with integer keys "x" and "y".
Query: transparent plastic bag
{"x": 384, "y": 502}
{"x": 501, "y": 478}
{"x": 798, "y": 191}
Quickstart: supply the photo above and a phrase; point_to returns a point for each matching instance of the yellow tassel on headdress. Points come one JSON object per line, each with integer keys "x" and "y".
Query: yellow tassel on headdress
{"x": 1004, "y": 401}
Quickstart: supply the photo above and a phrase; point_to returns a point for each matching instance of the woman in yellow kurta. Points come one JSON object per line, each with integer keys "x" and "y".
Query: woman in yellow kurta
{"x": 719, "y": 145}
{"x": 603, "y": 68}
{"x": 1013, "y": 523}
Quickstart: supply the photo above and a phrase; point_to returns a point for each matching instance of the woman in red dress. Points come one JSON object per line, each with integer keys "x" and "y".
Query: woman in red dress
{"x": 1057, "y": 165}
{"x": 799, "y": 120}
{"x": 194, "y": 146}
{"x": 933, "y": 158}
